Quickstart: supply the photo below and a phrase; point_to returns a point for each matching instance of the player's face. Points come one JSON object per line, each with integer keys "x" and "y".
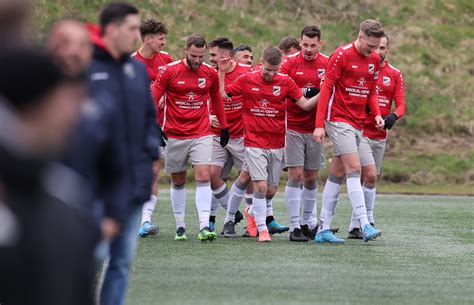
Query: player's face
{"x": 382, "y": 50}
{"x": 244, "y": 57}
{"x": 156, "y": 42}
{"x": 127, "y": 34}
{"x": 368, "y": 44}
{"x": 216, "y": 54}
{"x": 195, "y": 56}
{"x": 71, "y": 46}
{"x": 269, "y": 71}
{"x": 310, "y": 47}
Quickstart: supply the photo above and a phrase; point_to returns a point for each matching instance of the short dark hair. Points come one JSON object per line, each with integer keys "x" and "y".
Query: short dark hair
{"x": 115, "y": 12}
{"x": 222, "y": 43}
{"x": 243, "y": 47}
{"x": 288, "y": 42}
{"x": 152, "y": 27}
{"x": 272, "y": 55}
{"x": 371, "y": 28}
{"x": 311, "y": 31}
{"x": 196, "y": 40}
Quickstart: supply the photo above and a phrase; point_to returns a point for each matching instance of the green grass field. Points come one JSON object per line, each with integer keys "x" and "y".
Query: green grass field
{"x": 425, "y": 256}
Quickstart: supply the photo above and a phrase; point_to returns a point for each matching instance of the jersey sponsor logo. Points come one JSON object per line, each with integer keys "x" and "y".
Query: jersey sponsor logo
{"x": 361, "y": 81}
{"x": 386, "y": 81}
{"x": 321, "y": 72}
{"x": 202, "y": 83}
{"x": 264, "y": 103}
{"x": 181, "y": 82}
{"x": 255, "y": 89}
{"x": 129, "y": 70}
{"x": 99, "y": 76}
{"x": 276, "y": 90}
{"x": 371, "y": 68}
{"x": 299, "y": 73}
{"x": 354, "y": 67}
{"x": 378, "y": 89}
{"x": 190, "y": 95}
{"x": 309, "y": 85}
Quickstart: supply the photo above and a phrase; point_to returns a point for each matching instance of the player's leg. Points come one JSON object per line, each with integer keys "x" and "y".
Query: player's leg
{"x": 200, "y": 155}
{"x": 370, "y": 177}
{"x": 220, "y": 156}
{"x": 331, "y": 192}
{"x": 259, "y": 207}
{"x": 275, "y": 160}
{"x": 294, "y": 159}
{"x": 147, "y": 227}
{"x": 351, "y": 161}
{"x": 176, "y": 163}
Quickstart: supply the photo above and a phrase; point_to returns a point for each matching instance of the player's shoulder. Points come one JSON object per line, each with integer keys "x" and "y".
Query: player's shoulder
{"x": 324, "y": 55}
{"x": 174, "y": 63}
{"x": 244, "y": 66}
{"x": 293, "y": 56}
{"x": 172, "y": 66}
{"x": 394, "y": 69}
{"x": 164, "y": 53}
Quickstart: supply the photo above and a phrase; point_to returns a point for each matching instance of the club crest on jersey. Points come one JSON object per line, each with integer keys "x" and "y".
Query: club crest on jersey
{"x": 202, "y": 83}
{"x": 321, "y": 72}
{"x": 386, "y": 81}
{"x": 276, "y": 90}
{"x": 371, "y": 68}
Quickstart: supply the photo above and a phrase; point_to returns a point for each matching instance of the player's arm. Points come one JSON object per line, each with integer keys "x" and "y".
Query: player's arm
{"x": 333, "y": 74}
{"x": 373, "y": 104}
{"x": 224, "y": 65}
{"x": 305, "y": 102}
{"x": 158, "y": 88}
{"x": 218, "y": 108}
{"x": 399, "y": 98}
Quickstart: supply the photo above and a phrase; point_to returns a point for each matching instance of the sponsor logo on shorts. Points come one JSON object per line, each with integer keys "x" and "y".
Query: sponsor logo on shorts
{"x": 202, "y": 83}
{"x": 386, "y": 81}
{"x": 276, "y": 90}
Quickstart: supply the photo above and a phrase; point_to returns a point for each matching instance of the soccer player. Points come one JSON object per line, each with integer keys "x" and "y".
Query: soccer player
{"x": 303, "y": 156}
{"x": 264, "y": 93}
{"x": 243, "y": 54}
{"x": 390, "y": 88}
{"x": 153, "y": 34}
{"x": 289, "y": 45}
{"x": 189, "y": 84}
{"x": 233, "y": 154}
{"x": 348, "y": 88}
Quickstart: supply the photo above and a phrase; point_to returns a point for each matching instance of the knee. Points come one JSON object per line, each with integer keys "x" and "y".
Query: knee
{"x": 245, "y": 178}
{"x": 178, "y": 179}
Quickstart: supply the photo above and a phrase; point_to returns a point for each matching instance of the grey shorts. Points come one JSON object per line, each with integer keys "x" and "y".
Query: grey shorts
{"x": 264, "y": 164}
{"x": 371, "y": 152}
{"x": 234, "y": 151}
{"x": 302, "y": 150}
{"x": 162, "y": 152}
{"x": 345, "y": 138}
{"x": 177, "y": 152}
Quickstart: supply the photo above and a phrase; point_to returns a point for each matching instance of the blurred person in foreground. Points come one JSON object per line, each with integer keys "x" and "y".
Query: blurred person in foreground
{"x": 45, "y": 252}
{"x": 120, "y": 91}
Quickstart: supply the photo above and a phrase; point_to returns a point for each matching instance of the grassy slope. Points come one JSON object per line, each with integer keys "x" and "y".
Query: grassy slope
{"x": 424, "y": 257}
{"x": 432, "y": 43}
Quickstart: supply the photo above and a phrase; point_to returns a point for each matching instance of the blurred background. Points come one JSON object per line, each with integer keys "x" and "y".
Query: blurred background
{"x": 432, "y": 42}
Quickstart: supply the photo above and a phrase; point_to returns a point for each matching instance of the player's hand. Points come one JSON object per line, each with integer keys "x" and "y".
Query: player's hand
{"x": 163, "y": 137}
{"x": 390, "y": 120}
{"x": 318, "y": 134}
{"x": 110, "y": 228}
{"x": 225, "y": 136}
{"x": 309, "y": 92}
{"x": 379, "y": 122}
{"x": 224, "y": 64}
{"x": 214, "y": 121}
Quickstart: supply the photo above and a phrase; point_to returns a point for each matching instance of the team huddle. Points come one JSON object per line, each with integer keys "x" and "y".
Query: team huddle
{"x": 271, "y": 117}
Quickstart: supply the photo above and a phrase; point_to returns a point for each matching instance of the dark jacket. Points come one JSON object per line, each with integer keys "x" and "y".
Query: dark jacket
{"x": 118, "y": 138}
{"x": 46, "y": 255}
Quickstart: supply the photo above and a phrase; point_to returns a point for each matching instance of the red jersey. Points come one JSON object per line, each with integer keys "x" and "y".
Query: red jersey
{"x": 186, "y": 101}
{"x": 306, "y": 74}
{"x": 349, "y": 86}
{"x": 264, "y": 107}
{"x": 153, "y": 65}
{"x": 233, "y": 105}
{"x": 390, "y": 87}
